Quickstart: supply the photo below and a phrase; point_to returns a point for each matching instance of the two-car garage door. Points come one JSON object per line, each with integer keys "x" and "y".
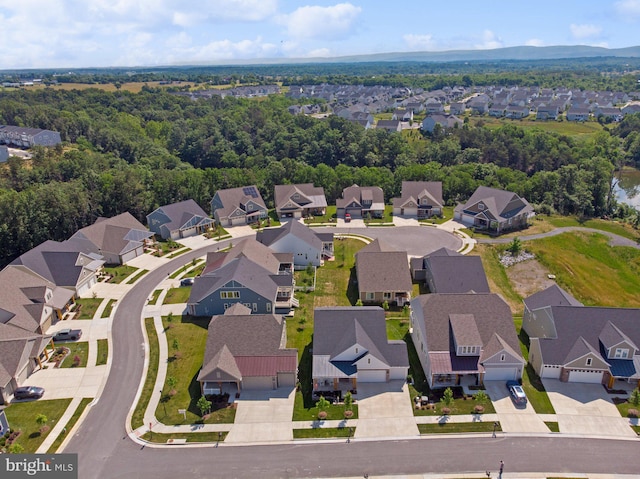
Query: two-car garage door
{"x": 501, "y": 374}
{"x": 584, "y": 376}
{"x": 372, "y": 375}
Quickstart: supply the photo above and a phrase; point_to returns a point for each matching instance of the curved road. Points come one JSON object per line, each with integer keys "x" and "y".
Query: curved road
{"x": 106, "y": 451}
{"x": 614, "y": 239}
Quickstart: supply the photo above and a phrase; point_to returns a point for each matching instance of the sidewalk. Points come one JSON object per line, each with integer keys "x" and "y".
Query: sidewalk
{"x": 452, "y": 226}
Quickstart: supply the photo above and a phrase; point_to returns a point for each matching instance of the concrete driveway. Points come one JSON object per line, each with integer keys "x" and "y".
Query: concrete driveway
{"x": 512, "y": 418}
{"x": 263, "y": 416}
{"x": 586, "y": 409}
{"x": 384, "y": 410}
{"x": 60, "y": 383}
{"x": 405, "y": 221}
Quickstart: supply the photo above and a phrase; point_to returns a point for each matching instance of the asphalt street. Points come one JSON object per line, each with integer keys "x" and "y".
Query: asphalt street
{"x": 105, "y": 450}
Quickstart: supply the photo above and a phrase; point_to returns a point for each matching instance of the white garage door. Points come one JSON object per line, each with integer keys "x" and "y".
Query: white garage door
{"x": 372, "y": 376}
{"x": 286, "y": 379}
{"x": 259, "y": 382}
{"x": 500, "y": 374}
{"x": 579, "y": 376}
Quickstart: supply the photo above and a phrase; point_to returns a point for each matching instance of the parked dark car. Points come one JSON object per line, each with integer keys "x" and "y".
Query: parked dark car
{"x": 68, "y": 335}
{"x": 186, "y": 282}
{"x": 28, "y": 392}
{"x": 517, "y": 393}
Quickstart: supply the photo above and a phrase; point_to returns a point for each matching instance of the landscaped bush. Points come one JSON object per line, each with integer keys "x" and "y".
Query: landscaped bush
{"x": 322, "y": 415}
{"x": 348, "y": 414}
{"x": 632, "y": 413}
{"x": 445, "y": 411}
{"x": 478, "y": 409}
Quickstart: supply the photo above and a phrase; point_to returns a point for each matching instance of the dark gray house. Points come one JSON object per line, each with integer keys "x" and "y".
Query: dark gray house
{"x": 238, "y": 206}
{"x": 419, "y": 199}
{"x": 361, "y": 201}
{"x": 179, "y": 220}
{"x": 301, "y": 200}
{"x": 446, "y": 271}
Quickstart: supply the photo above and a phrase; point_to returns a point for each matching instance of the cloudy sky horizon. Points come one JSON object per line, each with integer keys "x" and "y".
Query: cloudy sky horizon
{"x": 104, "y": 33}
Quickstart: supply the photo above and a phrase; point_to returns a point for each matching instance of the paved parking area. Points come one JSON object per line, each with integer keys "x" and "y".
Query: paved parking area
{"x": 263, "y": 416}
{"x": 586, "y": 409}
{"x": 384, "y": 410}
{"x": 512, "y": 418}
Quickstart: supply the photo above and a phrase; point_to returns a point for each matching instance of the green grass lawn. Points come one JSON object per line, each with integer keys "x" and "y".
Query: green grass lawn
{"x": 138, "y": 414}
{"x": 304, "y": 277}
{"x": 189, "y": 266}
{"x": 154, "y": 296}
{"x": 447, "y": 214}
{"x": 103, "y": 352}
{"x": 22, "y": 417}
{"x": 184, "y": 364}
{"x": 553, "y": 426}
{"x": 397, "y": 328}
{"x": 328, "y": 217}
{"x": 459, "y": 406}
{"x": 177, "y": 295}
{"x": 179, "y": 252}
{"x": 166, "y": 247}
{"x": 119, "y": 273}
{"x": 106, "y": 312}
{"x": 497, "y": 276}
{"x": 137, "y": 276}
{"x": 72, "y": 422}
{"x": 615, "y": 227}
{"x": 80, "y": 349}
{"x": 323, "y": 432}
{"x": 87, "y": 307}
{"x": 190, "y": 437}
{"x": 387, "y": 217}
{"x": 310, "y": 412}
{"x": 568, "y": 128}
{"x": 594, "y": 272}
{"x": 457, "y": 427}
{"x": 197, "y": 271}
{"x": 624, "y": 408}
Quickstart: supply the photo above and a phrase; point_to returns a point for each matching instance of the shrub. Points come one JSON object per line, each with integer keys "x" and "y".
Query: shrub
{"x": 632, "y": 413}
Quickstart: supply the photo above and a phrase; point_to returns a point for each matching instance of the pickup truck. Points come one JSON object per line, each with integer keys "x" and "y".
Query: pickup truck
{"x": 68, "y": 335}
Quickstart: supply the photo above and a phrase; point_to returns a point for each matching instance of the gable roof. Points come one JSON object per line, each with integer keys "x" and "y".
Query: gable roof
{"x": 335, "y": 329}
{"x": 412, "y": 190}
{"x": 491, "y": 314}
{"x": 457, "y": 274}
{"x": 118, "y": 234}
{"x": 270, "y": 236}
{"x": 383, "y": 271}
{"x": 243, "y": 345}
{"x": 499, "y": 205}
{"x": 359, "y": 194}
{"x": 310, "y": 196}
{"x": 251, "y": 249}
{"x": 554, "y": 295}
{"x": 232, "y": 198}
{"x": 181, "y": 213}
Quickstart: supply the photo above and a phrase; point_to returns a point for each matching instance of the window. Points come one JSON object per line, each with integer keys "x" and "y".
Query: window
{"x": 268, "y": 307}
{"x": 480, "y": 206}
{"x": 229, "y": 294}
{"x": 356, "y": 350}
{"x": 502, "y": 357}
{"x": 589, "y": 361}
{"x": 255, "y": 307}
{"x": 386, "y": 295}
{"x": 621, "y": 353}
{"x": 249, "y": 207}
{"x": 369, "y": 296}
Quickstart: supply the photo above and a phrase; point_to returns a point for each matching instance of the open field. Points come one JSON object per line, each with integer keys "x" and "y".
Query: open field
{"x": 569, "y": 128}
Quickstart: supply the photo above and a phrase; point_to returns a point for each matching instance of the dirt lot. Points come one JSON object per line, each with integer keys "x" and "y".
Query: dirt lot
{"x": 528, "y": 277}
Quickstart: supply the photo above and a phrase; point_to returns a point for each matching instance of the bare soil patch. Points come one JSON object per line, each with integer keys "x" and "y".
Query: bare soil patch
{"x": 528, "y": 277}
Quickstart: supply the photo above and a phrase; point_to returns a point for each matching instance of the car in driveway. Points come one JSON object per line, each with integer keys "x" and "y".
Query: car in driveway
{"x": 68, "y": 334}
{"x": 186, "y": 282}
{"x": 28, "y": 392}
{"x": 347, "y": 218}
{"x": 516, "y": 392}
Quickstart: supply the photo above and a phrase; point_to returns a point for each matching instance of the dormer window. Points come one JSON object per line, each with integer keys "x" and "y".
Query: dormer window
{"x": 589, "y": 361}
{"x": 296, "y": 196}
{"x": 480, "y": 206}
{"x": 621, "y": 353}
{"x": 503, "y": 357}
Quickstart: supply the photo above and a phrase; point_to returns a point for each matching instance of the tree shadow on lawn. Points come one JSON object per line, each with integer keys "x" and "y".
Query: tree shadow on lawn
{"x": 352, "y": 287}
{"x": 304, "y": 376}
{"x": 201, "y": 321}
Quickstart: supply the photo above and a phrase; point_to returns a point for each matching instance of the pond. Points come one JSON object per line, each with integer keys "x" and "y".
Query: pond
{"x": 627, "y": 190}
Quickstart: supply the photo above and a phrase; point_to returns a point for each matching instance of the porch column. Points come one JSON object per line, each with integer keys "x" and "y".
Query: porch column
{"x": 335, "y": 383}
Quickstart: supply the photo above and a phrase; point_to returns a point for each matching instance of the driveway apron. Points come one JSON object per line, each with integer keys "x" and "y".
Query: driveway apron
{"x": 512, "y": 418}
{"x": 384, "y": 410}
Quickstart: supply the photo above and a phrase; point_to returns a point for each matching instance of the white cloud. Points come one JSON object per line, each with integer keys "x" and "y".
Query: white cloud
{"x": 534, "y": 42}
{"x": 489, "y": 41}
{"x": 628, "y": 9}
{"x": 326, "y": 23}
{"x": 419, "y": 42}
{"x": 222, "y": 50}
{"x": 585, "y": 30}
{"x": 318, "y": 53}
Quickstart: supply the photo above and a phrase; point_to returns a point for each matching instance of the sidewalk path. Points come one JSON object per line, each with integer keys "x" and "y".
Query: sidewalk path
{"x": 614, "y": 239}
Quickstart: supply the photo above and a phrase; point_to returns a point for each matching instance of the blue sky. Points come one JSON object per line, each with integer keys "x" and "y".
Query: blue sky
{"x": 102, "y": 33}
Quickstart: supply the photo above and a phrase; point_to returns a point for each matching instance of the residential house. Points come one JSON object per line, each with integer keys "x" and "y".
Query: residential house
{"x": 497, "y": 109}
{"x": 578, "y": 113}
{"x": 547, "y": 112}
{"x": 419, "y": 199}
{"x": 613, "y": 114}
{"x": 247, "y": 351}
{"x": 350, "y": 346}
{"x": 73, "y": 264}
{"x": 494, "y": 210}
{"x": 479, "y": 104}
{"x": 402, "y": 115}
{"x": 179, "y": 220}
{"x": 389, "y": 125}
{"x": 360, "y": 202}
{"x": 539, "y": 304}
{"x": 433, "y": 106}
{"x": 301, "y": 200}
{"x": 30, "y": 304}
{"x": 28, "y": 137}
{"x": 517, "y": 112}
{"x": 306, "y": 245}
{"x": 629, "y": 109}
{"x": 585, "y": 344}
{"x": 238, "y": 206}
{"x": 249, "y": 273}
{"x": 466, "y": 338}
{"x": 457, "y": 108}
{"x": 4, "y": 153}
{"x": 118, "y": 239}
{"x": 446, "y": 271}
{"x": 383, "y": 274}
{"x": 445, "y": 121}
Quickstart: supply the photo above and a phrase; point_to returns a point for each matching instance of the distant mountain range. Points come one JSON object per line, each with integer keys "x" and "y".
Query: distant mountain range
{"x": 497, "y": 54}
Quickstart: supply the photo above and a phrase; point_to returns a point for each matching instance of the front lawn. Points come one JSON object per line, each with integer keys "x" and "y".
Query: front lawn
{"x": 177, "y": 295}
{"x": 328, "y": 217}
{"x": 86, "y": 307}
{"x": 76, "y": 350}
{"x": 186, "y": 338}
{"x": 161, "y": 438}
{"x": 137, "y": 419}
{"x": 103, "y": 352}
{"x": 447, "y": 214}
{"x": 387, "y": 217}
{"x": 334, "y": 411}
{"x": 119, "y": 273}
{"x": 137, "y": 276}
{"x": 446, "y": 427}
{"x": 154, "y": 296}
{"x": 106, "y": 312}
{"x": 22, "y": 417}
{"x": 72, "y": 422}
{"x": 462, "y": 404}
{"x": 625, "y": 406}
{"x": 323, "y": 432}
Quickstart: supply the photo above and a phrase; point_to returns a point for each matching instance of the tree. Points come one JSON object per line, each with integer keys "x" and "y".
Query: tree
{"x": 322, "y": 404}
{"x": 41, "y": 420}
{"x": 515, "y": 247}
{"x": 447, "y": 398}
{"x": 481, "y": 397}
{"x": 204, "y": 405}
{"x": 385, "y": 305}
{"x": 16, "y": 448}
{"x": 175, "y": 345}
{"x": 359, "y": 302}
{"x": 171, "y": 383}
{"x": 348, "y": 401}
{"x": 634, "y": 398}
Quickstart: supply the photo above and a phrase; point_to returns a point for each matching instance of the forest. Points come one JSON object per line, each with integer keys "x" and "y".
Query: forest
{"x": 135, "y": 152}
